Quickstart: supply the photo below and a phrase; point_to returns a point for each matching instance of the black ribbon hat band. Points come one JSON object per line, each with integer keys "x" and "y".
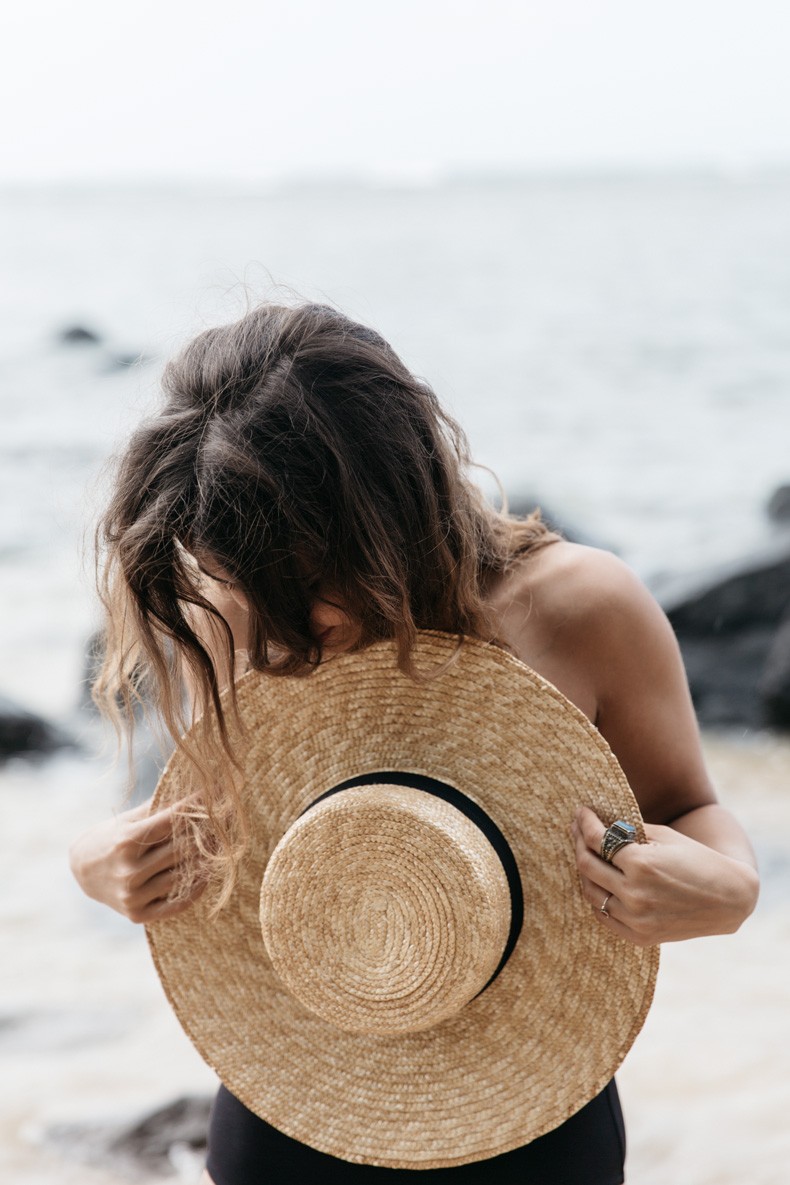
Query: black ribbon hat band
{"x": 476, "y": 815}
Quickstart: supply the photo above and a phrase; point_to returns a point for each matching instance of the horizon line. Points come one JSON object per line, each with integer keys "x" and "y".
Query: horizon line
{"x": 407, "y": 178}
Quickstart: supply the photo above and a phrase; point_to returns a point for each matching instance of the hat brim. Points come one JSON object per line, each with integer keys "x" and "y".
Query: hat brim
{"x": 542, "y": 1040}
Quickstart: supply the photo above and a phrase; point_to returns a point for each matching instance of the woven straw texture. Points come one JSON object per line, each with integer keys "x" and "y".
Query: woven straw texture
{"x": 386, "y": 910}
{"x": 517, "y": 1059}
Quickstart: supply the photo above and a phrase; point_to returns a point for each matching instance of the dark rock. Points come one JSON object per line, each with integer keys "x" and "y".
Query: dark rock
{"x": 737, "y": 658}
{"x": 778, "y": 507}
{"x": 724, "y": 672}
{"x": 74, "y": 335}
{"x": 22, "y": 733}
{"x": 774, "y": 684}
{"x": 149, "y": 1142}
{"x": 167, "y": 1142}
{"x": 757, "y": 595}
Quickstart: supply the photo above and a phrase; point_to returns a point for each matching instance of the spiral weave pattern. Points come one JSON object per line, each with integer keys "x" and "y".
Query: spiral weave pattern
{"x": 384, "y": 910}
{"x": 517, "y": 1059}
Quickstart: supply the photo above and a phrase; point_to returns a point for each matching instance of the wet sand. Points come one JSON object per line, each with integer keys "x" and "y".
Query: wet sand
{"x": 706, "y": 1088}
{"x": 86, "y": 1036}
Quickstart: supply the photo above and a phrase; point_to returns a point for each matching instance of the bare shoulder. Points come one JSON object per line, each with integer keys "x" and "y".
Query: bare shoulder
{"x": 586, "y": 621}
{"x": 595, "y": 608}
{"x": 569, "y": 584}
{"x": 561, "y": 610}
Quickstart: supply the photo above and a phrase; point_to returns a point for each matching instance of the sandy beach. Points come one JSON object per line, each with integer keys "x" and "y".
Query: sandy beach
{"x": 706, "y": 1090}
{"x": 87, "y": 1038}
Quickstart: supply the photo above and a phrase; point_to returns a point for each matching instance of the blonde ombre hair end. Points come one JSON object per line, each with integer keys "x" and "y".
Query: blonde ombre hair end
{"x": 297, "y": 451}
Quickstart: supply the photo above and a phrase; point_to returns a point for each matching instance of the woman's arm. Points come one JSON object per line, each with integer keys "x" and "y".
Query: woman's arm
{"x": 697, "y": 874}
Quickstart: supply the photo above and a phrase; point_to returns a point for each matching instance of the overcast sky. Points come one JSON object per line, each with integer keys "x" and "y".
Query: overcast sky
{"x": 170, "y": 89}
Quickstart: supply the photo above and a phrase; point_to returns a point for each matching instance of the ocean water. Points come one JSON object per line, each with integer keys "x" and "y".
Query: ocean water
{"x": 618, "y": 348}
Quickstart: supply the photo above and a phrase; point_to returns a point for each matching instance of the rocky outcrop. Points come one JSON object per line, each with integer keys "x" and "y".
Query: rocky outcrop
{"x": 110, "y": 358}
{"x": 778, "y": 508}
{"x": 23, "y": 733}
{"x": 150, "y": 1142}
{"x": 167, "y": 1143}
{"x": 734, "y": 633}
{"x": 774, "y": 683}
{"x": 756, "y": 595}
{"x": 78, "y": 335}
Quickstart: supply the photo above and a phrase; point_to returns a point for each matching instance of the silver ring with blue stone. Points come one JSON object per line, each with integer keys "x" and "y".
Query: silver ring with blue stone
{"x": 615, "y": 837}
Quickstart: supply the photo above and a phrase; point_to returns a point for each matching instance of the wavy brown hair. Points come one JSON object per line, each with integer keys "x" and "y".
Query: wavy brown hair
{"x": 297, "y": 451}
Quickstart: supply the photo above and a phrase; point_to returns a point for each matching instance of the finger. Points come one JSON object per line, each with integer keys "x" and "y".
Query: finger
{"x": 593, "y": 831}
{"x": 163, "y": 907}
{"x": 622, "y": 930}
{"x": 153, "y": 829}
{"x": 157, "y": 911}
{"x": 606, "y": 876}
{"x": 596, "y": 896}
{"x": 137, "y": 901}
{"x": 159, "y": 886}
{"x": 155, "y": 860}
{"x": 591, "y": 828}
{"x": 134, "y": 901}
{"x": 141, "y": 811}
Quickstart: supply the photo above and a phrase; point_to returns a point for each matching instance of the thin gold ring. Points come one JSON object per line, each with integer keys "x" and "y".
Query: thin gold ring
{"x": 603, "y": 908}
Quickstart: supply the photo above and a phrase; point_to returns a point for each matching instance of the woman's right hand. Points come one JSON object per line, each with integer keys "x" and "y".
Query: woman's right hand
{"x": 129, "y": 863}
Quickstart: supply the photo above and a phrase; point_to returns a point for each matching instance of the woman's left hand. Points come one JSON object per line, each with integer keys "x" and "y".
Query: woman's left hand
{"x": 670, "y": 888}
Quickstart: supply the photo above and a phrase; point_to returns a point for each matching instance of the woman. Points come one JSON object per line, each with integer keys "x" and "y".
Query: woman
{"x": 302, "y": 494}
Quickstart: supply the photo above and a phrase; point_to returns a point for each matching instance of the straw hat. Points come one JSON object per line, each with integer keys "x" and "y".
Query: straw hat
{"x": 407, "y": 974}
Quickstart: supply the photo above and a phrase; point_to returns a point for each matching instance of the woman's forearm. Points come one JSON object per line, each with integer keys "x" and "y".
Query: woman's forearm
{"x": 714, "y": 826}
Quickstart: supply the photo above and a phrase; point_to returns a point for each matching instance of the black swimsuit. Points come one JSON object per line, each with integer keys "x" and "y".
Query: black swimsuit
{"x": 588, "y": 1149}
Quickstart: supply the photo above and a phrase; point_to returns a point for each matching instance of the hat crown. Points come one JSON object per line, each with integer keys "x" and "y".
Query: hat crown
{"x": 385, "y": 909}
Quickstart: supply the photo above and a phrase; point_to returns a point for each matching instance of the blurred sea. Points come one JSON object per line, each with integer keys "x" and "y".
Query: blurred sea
{"x": 619, "y": 348}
